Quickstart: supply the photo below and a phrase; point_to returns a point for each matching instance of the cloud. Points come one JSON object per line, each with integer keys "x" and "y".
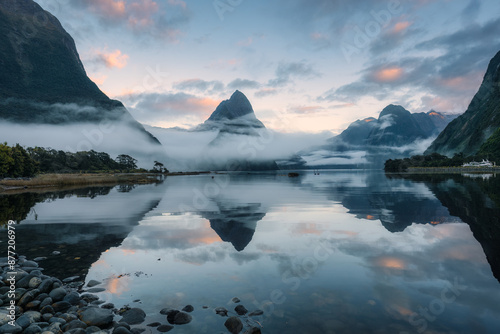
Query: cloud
{"x": 452, "y": 73}
{"x": 388, "y": 74}
{"x": 111, "y": 59}
{"x": 287, "y": 71}
{"x": 149, "y": 108}
{"x": 471, "y": 11}
{"x": 266, "y": 92}
{"x": 305, "y": 110}
{"x": 243, "y": 84}
{"x": 161, "y": 20}
{"x": 199, "y": 85}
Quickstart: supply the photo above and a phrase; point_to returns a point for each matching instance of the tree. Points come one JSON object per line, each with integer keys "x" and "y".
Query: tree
{"x": 126, "y": 162}
{"x": 159, "y": 168}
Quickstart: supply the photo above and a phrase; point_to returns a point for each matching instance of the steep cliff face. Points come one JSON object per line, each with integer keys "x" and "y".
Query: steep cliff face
{"x": 43, "y": 82}
{"x": 469, "y": 131}
{"x": 42, "y": 79}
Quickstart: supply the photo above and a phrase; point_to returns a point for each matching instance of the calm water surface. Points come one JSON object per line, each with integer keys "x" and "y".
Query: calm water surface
{"x": 339, "y": 252}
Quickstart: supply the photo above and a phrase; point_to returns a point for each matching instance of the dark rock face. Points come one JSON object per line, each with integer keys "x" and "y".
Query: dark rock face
{"x": 42, "y": 77}
{"x": 469, "y": 131}
{"x": 237, "y": 106}
{"x": 235, "y": 121}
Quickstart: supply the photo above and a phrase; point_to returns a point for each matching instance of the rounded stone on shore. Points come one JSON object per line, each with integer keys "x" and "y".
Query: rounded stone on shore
{"x": 121, "y": 330}
{"x": 57, "y": 294}
{"x": 7, "y": 328}
{"x": 73, "y": 298}
{"x": 34, "y": 282}
{"x": 234, "y": 325}
{"x": 33, "y": 329}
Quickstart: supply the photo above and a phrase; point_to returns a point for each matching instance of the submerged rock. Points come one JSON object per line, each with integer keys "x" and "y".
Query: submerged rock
{"x": 234, "y": 325}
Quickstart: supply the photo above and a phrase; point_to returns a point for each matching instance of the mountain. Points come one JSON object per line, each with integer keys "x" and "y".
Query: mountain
{"x": 395, "y": 127}
{"x": 369, "y": 142}
{"x": 473, "y": 128}
{"x": 43, "y": 81}
{"x": 240, "y": 135}
{"x": 235, "y": 115}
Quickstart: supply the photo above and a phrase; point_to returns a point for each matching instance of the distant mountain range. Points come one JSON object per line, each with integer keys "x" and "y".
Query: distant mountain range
{"x": 395, "y": 126}
{"x": 369, "y": 142}
{"x": 479, "y": 125}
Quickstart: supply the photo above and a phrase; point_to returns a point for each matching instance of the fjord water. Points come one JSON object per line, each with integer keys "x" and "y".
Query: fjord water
{"x": 338, "y": 252}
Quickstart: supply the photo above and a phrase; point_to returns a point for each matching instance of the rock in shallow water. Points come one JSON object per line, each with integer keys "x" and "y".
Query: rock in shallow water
{"x": 241, "y": 310}
{"x": 94, "y": 316}
{"x": 234, "y": 325}
{"x": 133, "y": 316}
{"x": 221, "y": 311}
{"x": 188, "y": 308}
{"x": 93, "y": 283}
{"x": 164, "y": 328}
{"x": 256, "y": 313}
{"x": 182, "y": 318}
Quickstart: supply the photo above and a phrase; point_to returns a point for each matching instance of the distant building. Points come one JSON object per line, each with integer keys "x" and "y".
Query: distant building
{"x": 484, "y": 163}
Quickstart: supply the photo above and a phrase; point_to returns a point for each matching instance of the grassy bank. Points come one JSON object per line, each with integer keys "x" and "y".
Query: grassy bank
{"x": 65, "y": 180}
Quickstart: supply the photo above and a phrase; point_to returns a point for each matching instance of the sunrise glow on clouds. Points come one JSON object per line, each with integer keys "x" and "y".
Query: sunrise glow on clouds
{"x": 171, "y": 62}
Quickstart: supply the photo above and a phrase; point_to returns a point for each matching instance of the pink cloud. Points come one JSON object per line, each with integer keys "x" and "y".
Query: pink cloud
{"x": 388, "y": 74}
{"x": 112, "y": 59}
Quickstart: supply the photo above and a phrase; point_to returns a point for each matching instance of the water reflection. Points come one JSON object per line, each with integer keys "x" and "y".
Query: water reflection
{"x": 346, "y": 252}
{"x": 235, "y": 223}
{"x": 475, "y": 201}
{"x": 79, "y": 224}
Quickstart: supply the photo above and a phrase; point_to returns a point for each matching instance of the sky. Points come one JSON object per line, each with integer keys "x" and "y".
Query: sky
{"x": 305, "y": 65}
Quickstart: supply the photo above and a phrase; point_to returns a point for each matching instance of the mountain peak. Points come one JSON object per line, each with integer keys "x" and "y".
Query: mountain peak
{"x": 393, "y": 109}
{"x": 237, "y": 106}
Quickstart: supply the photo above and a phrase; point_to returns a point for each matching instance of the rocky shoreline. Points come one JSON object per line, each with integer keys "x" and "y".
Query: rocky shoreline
{"x": 32, "y": 303}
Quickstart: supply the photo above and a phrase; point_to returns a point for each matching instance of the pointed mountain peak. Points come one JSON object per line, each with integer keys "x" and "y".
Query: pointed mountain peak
{"x": 237, "y": 106}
